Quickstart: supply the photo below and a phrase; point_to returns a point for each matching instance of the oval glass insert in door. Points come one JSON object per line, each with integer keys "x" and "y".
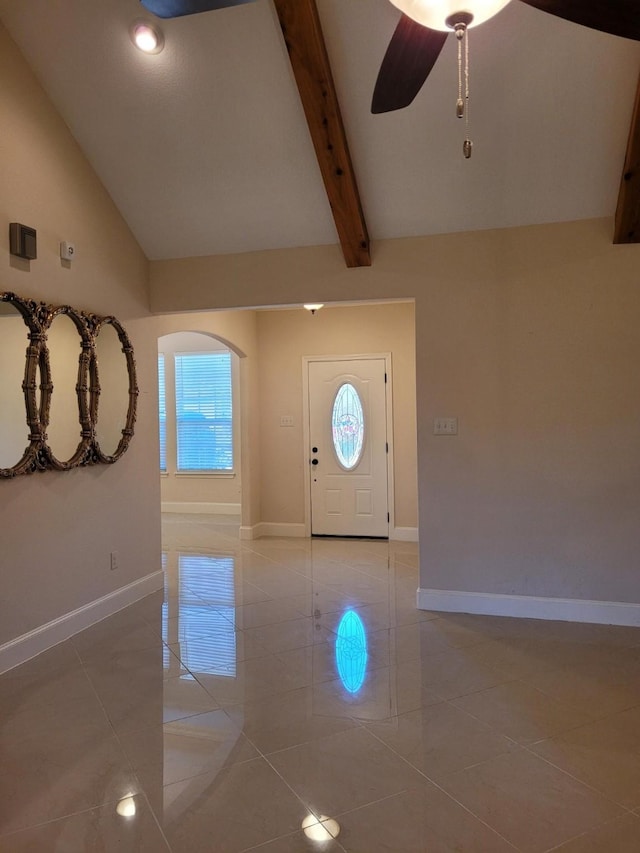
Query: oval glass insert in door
{"x": 347, "y": 422}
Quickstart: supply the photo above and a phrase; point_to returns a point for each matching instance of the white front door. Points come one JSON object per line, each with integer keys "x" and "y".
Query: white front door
{"x": 348, "y": 447}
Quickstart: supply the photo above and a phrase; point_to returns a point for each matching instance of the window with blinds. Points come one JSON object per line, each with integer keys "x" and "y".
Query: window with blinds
{"x": 204, "y": 411}
{"x": 162, "y": 397}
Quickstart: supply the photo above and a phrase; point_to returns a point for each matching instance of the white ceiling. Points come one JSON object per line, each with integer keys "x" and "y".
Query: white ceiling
{"x": 205, "y": 150}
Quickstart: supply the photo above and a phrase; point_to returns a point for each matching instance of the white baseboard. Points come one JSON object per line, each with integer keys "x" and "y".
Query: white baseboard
{"x": 273, "y": 528}
{"x": 297, "y": 531}
{"x": 530, "y": 607}
{"x": 29, "y": 645}
{"x": 403, "y": 534}
{"x": 201, "y": 508}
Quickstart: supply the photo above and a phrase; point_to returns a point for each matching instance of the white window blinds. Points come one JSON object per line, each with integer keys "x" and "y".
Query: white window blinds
{"x": 204, "y": 411}
{"x": 162, "y": 397}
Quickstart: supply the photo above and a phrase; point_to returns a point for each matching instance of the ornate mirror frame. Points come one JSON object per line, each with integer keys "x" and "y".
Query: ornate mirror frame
{"x": 38, "y": 455}
{"x": 35, "y": 360}
{"x": 127, "y": 433}
{"x": 85, "y": 425}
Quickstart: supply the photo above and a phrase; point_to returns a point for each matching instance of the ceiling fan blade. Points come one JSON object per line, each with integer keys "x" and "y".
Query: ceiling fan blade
{"x": 178, "y": 8}
{"x": 618, "y": 17}
{"x": 411, "y": 55}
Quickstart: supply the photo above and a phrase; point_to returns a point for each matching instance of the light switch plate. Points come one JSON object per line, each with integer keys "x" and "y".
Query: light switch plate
{"x": 286, "y": 420}
{"x": 445, "y": 426}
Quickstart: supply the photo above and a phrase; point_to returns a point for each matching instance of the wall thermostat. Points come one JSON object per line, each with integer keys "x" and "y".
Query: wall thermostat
{"x": 67, "y": 251}
{"x": 22, "y": 241}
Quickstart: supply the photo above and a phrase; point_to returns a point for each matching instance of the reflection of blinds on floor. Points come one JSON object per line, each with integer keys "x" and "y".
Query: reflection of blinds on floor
{"x": 166, "y": 654}
{"x": 206, "y": 616}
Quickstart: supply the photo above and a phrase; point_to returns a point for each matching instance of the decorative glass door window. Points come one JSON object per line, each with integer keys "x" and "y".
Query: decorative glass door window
{"x": 347, "y": 423}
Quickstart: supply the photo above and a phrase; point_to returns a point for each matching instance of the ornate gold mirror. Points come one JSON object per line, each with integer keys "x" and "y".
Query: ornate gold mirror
{"x": 68, "y": 430}
{"x": 22, "y": 366}
{"x": 68, "y": 390}
{"x": 114, "y": 406}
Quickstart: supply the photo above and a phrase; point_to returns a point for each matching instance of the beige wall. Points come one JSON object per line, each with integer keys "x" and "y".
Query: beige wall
{"x": 530, "y": 337}
{"x": 58, "y": 529}
{"x": 238, "y": 331}
{"x": 537, "y": 354}
{"x": 284, "y": 338}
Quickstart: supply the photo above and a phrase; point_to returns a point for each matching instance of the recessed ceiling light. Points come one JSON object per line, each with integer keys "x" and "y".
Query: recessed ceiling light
{"x": 147, "y": 37}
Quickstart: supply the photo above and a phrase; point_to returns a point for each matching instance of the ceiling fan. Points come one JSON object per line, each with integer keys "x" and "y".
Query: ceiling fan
{"x": 178, "y": 8}
{"x": 425, "y": 24}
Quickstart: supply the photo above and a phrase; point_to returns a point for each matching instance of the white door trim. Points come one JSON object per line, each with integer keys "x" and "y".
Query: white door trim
{"x": 306, "y": 359}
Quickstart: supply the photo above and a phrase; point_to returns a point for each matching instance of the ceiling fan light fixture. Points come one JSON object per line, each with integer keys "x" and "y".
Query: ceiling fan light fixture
{"x": 147, "y": 37}
{"x": 441, "y": 14}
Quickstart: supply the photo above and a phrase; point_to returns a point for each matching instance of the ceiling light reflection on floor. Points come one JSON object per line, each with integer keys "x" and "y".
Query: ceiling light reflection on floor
{"x": 126, "y": 806}
{"x": 320, "y": 829}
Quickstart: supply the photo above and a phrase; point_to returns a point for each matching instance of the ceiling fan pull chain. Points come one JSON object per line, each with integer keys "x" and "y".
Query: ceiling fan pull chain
{"x": 467, "y": 145}
{"x": 460, "y": 102}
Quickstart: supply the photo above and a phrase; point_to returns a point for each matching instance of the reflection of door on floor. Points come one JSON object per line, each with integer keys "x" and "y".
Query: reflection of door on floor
{"x": 348, "y": 447}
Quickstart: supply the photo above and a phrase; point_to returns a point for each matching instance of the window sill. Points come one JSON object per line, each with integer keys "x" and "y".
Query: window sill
{"x": 206, "y": 475}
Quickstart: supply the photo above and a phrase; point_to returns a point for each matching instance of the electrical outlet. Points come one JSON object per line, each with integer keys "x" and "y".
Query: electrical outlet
{"x": 115, "y": 560}
{"x": 286, "y": 421}
{"x": 445, "y": 426}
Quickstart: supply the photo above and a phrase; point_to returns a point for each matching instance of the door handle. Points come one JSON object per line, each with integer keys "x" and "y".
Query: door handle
{"x": 314, "y": 461}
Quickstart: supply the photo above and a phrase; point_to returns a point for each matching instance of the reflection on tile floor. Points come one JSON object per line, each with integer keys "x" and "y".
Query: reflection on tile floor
{"x": 286, "y": 696}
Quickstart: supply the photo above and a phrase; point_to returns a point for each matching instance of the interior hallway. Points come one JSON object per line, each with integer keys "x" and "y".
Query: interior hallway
{"x": 244, "y": 706}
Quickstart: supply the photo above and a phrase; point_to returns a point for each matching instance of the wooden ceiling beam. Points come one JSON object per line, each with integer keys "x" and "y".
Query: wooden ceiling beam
{"x": 627, "y": 225}
{"x": 305, "y": 43}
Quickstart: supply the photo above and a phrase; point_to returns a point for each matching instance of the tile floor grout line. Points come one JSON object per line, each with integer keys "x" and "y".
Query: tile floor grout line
{"x": 521, "y": 681}
{"x": 155, "y": 817}
{"x": 586, "y": 833}
{"x": 596, "y": 719}
{"x": 446, "y": 793}
{"x": 99, "y": 698}
{"x": 576, "y": 779}
{"x": 66, "y": 816}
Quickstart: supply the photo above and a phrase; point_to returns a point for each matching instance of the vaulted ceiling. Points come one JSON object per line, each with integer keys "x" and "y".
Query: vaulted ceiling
{"x": 205, "y": 148}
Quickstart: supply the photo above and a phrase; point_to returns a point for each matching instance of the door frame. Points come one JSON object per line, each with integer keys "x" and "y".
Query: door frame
{"x": 306, "y": 430}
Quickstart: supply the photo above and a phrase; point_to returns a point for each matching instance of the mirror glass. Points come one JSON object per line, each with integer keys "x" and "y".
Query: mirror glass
{"x": 113, "y": 378}
{"x": 14, "y": 430}
{"x": 65, "y": 346}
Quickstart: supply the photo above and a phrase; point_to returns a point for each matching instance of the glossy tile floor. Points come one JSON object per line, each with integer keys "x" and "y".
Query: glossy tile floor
{"x": 286, "y": 695}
